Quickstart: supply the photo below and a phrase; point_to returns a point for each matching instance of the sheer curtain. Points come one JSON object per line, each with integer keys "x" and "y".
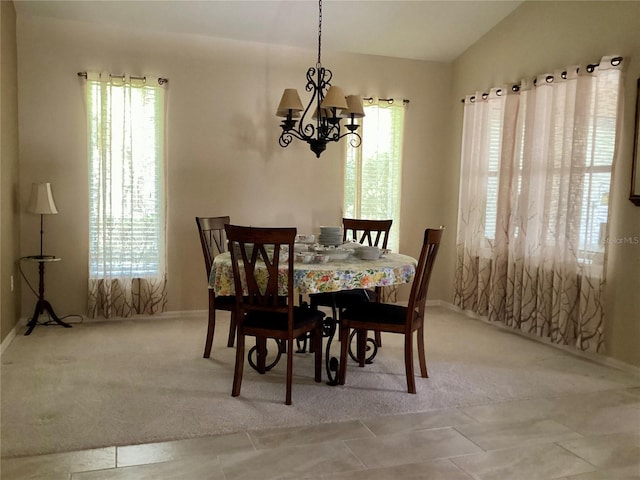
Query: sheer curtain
{"x": 373, "y": 170}
{"x": 125, "y": 121}
{"x": 535, "y": 176}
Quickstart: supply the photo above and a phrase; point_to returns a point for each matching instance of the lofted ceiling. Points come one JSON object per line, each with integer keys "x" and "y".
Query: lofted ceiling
{"x": 418, "y": 29}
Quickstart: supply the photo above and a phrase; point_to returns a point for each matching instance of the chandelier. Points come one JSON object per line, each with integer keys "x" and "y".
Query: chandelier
{"x": 328, "y": 105}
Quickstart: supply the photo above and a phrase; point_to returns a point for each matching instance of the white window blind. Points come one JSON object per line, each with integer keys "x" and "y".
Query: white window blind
{"x": 593, "y": 171}
{"x": 126, "y": 179}
{"x": 373, "y": 170}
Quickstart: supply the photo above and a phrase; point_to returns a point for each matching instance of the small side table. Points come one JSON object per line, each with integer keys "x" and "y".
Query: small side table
{"x": 43, "y": 304}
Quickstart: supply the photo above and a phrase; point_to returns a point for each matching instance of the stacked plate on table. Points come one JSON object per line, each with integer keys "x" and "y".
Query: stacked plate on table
{"x": 330, "y": 236}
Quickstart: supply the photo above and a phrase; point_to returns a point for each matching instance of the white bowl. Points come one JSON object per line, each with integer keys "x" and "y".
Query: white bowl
{"x": 304, "y": 257}
{"x": 368, "y": 253}
{"x": 338, "y": 254}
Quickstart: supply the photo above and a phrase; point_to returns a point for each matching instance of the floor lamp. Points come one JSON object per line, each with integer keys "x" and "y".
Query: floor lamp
{"x": 41, "y": 202}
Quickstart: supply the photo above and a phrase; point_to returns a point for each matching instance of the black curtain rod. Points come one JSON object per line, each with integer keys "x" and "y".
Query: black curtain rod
{"x": 388, "y": 100}
{"x": 615, "y": 61}
{"x": 161, "y": 81}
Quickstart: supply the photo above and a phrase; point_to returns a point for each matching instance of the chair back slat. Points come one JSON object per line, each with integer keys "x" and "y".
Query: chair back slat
{"x": 263, "y": 309}
{"x": 374, "y": 233}
{"x": 420, "y": 286}
{"x": 257, "y": 255}
{"x": 212, "y": 238}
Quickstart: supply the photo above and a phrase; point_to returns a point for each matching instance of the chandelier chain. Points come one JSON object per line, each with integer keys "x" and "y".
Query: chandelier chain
{"x": 319, "y": 32}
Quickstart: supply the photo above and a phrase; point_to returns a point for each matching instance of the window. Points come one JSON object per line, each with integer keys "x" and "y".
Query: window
{"x": 494, "y": 125}
{"x": 125, "y": 121}
{"x": 373, "y": 170}
{"x": 596, "y": 176}
{"x": 535, "y": 176}
{"x": 592, "y": 173}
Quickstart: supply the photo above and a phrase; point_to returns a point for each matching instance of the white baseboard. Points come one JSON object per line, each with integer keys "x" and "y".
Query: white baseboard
{"x": 171, "y": 314}
{"x": 22, "y": 322}
{"x": 599, "y": 358}
{"x": 8, "y": 339}
{"x": 595, "y": 357}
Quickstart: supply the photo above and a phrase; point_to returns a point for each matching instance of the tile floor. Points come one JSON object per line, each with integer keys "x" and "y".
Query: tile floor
{"x": 578, "y": 437}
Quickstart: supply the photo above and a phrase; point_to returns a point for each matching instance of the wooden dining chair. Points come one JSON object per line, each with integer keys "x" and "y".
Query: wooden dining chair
{"x": 383, "y": 317}
{"x": 366, "y": 232}
{"x": 213, "y": 241}
{"x": 265, "y": 310}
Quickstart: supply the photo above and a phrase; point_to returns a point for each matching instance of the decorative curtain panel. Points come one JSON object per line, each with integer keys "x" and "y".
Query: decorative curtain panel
{"x": 535, "y": 177}
{"x": 127, "y": 273}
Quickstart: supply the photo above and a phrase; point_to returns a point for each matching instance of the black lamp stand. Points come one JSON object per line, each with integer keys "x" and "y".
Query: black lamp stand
{"x": 43, "y": 305}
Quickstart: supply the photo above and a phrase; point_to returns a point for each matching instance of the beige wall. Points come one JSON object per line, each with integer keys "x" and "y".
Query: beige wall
{"x": 223, "y": 155}
{"x": 9, "y": 211}
{"x": 543, "y": 36}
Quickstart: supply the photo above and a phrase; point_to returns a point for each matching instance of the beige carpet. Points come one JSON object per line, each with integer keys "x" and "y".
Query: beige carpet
{"x": 138, "y": 381}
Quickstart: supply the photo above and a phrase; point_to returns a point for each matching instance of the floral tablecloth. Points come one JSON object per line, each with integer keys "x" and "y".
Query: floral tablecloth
{"x": 334, "y": 276}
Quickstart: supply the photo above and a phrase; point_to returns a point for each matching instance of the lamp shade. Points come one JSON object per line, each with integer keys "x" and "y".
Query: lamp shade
{"x": 334, "y": 99}
{"x": 290, "y": 101}
{"x": 41, "y": 200}
{"x": 354, "y": 107}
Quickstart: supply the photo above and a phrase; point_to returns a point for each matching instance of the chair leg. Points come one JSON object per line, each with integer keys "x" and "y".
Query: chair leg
{"x": 317, "y": 350}
{"x": 237, "y": 374}
{"x": 408, "y": 362}
{"x": 361, "y": 341}
{"x": 312, "y": 343}
{"x": 211, "y": 327}
{"x": 344, "y": 347}
{"x": 378, "y": 334}
{"x": 232, "y": 329}
{"x": 261, "y": 354}
{"x": 289, "y": 373}
{"x": 421, "y": 355}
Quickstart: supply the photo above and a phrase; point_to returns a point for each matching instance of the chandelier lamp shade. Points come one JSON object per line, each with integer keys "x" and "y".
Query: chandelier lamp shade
{"x": 320, "y": 122}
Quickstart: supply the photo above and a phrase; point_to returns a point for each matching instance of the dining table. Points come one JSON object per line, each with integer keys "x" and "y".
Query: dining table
{"x": 320, "y": 277}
